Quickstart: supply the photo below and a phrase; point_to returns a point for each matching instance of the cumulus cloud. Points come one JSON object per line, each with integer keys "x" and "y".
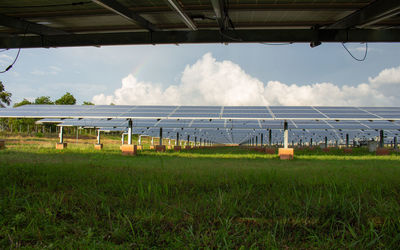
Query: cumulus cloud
{"x": 212, "y": 82}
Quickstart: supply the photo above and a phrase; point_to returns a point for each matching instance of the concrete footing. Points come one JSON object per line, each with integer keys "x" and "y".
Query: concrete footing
{"x": 188, "y": 147}
{"x": 152, "y": 147}
{"x": 326, "y": 150}
{"x": 160, "y": 148}
{"x": 169, "y": 147}
{"x": 177, "y": 148}
{"x": 139, "y": 147}
{"x": 61, "y": 145}
{"x": 382, "y": 151}
{"x": 127, "y": 149}
{"x": 286, "y": 153}
{"x": 2, "y": 144}
{"x": 98, "y": 146}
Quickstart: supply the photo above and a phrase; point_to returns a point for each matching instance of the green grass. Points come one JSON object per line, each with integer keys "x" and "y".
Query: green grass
{"x": 210, "y": 198}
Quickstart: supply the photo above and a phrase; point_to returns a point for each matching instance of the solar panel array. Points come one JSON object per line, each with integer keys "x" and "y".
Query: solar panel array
{"x": 205, "y": 112}
{"x": 224, "y": 124}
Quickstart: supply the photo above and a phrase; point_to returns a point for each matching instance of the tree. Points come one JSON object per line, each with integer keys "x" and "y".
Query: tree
{"x": 22, "y": 103}
{"x": 66, "y": 99}
{"x": 5, "y": 97}
{"x": 88, "y": 103}
{"x": 43, "y": 100}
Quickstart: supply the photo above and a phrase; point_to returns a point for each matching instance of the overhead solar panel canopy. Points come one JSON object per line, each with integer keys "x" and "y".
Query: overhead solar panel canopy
{"x": 43, "y": 23}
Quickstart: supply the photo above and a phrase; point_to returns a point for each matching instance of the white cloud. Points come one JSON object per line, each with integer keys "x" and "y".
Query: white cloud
{"x": 212, "y": 82}
{"x": 52, "y": 70}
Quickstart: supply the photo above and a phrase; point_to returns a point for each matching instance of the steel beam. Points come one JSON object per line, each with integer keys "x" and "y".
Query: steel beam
{"x": 200, "y": 36}
{"x": 29, "y": 27}
{"x": 182, "y": 14}
{"x": 220, "y": 13}
{"x": 123, "y": 11}
{"x": 377, "y": 11}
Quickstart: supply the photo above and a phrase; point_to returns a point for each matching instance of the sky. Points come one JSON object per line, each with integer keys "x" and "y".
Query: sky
{"x": 209, "y": 74}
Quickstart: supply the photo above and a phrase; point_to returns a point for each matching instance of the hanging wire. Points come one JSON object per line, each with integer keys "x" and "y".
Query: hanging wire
{"x": 12, "y": 64}
{"x": 355, "y": 58}
{"x": 19, "y": 50}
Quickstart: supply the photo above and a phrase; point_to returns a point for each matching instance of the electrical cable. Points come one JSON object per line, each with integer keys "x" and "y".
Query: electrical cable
{"x": 12, "y": 64}
{"x": 45, "y": 6}
{"x": 16, "y": 58}
{"x": 355, "y": 58}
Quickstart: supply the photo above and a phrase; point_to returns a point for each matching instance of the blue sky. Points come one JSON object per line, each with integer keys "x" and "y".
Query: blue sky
{"x": 87, "y": 72}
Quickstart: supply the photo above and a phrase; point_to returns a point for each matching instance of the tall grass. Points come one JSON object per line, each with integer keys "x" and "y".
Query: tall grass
{"x": 220, "y": 198}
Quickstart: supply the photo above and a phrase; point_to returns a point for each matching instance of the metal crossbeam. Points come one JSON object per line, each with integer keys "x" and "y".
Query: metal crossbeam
{"x": 200, "y": 36}
{"x": 220, "y": 13}
{"x": 121, "y": 10}
{"x": 182, "y": 14}
{"x": 377, "y": 11}
{"x": 29, "y": 27}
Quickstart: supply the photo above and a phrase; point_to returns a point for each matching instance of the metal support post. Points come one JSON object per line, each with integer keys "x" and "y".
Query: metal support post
{"x": 188, "y": 140}
{"x": 140, "y": 140}
{"x": 195, "y": 141}
{"x": 177, "y": 139}
{"x": 261, "y": 139}
{"x": 326, "y": 142}
{"x": 270, "y": 137}
{"x": 256, "y": 141}
{"x": 61, "y": 135}
{"x": 130, "y": 132}
{"x": 123, "y": 139}
{"x": 381, "y": 139}
{"x": 160, "y": 137}
{"x": 395, "y": 142}
{"x": 347, "y": 140}
{"x": 285, "y": 134}
{"x": 98, "y": 136}
{"x": 311, "y": 142}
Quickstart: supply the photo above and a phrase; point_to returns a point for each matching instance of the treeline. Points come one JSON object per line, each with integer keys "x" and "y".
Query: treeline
{"x": 28, "y": 125}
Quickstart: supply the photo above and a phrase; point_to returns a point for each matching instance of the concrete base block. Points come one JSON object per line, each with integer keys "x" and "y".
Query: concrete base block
{"x": 326, "y": 150}
{"x": 61, "y": 145}
{"x": 382, "y": 151}
{"x": 2, "y": 144}
{"x": 139, "y": 147}
{"x": 127, "y": 149}
{"x": 177, "y": 148}
{"x": 270, "y": 151}
{"x": 348, "y": 150}
{"x": 169, "y": 147}
{"x": 160, "y": 148}
{"x": 188, "y": 147}
{"x": 98, "y": 146}
{"x": 286, "y": 153}
{"x": 152, "y": 147}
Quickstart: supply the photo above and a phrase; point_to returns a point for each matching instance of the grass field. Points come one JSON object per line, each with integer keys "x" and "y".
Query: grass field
{"x": 214, "y": 198}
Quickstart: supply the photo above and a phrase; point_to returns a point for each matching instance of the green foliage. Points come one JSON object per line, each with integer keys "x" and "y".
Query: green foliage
{"x": 5, "y": 97}
{"x": 22, "y": 103}
{"x": 88, "y": 103}
{"x": 43, "y": 100}
{"x": 66, "y": 99}
{"x": 227, "y": 198}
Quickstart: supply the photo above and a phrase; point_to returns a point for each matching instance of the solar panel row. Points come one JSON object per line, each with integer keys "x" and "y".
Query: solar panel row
{"x": 206, "y": 112}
